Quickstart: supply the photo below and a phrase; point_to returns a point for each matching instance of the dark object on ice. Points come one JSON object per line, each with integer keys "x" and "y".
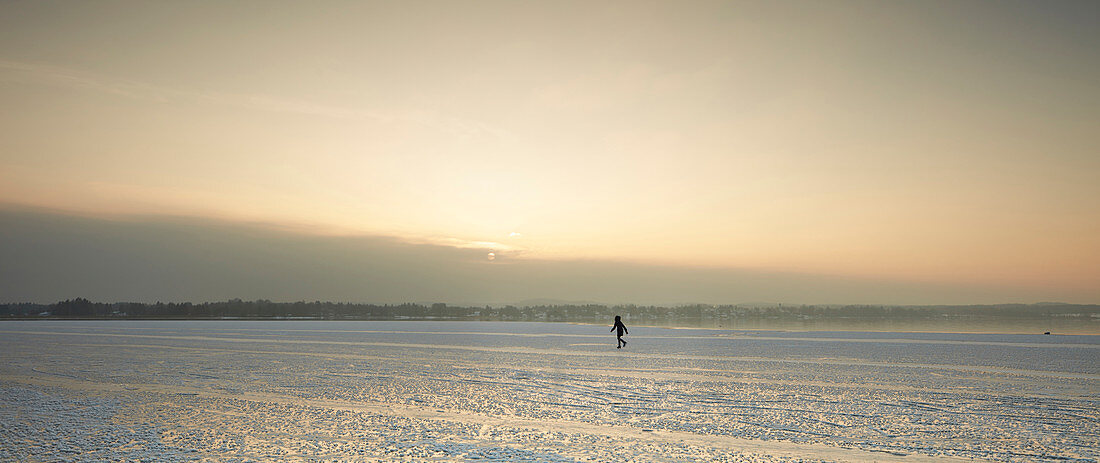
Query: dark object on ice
{"x": 1048, "y": 332}
{"x": 622, "y": 330}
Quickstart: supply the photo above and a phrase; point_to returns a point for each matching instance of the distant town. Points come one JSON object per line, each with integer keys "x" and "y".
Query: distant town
{"x": 693, "y": 314}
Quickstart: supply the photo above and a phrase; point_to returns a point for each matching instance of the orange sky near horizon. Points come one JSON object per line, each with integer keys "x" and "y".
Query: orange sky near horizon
{"x": 941, "y": 142}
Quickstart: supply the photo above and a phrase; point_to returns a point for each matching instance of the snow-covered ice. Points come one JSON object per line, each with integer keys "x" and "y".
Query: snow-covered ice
{"x": 513, "y": 391}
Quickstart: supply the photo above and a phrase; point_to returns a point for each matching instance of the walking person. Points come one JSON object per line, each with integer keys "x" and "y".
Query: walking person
{"x": 622, "y": 330}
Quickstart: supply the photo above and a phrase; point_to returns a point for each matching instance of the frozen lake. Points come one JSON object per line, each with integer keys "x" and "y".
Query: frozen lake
{"x": 370, "y": 391}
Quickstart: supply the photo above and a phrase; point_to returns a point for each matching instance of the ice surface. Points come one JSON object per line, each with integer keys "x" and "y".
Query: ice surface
{"x": 489, "y": 391}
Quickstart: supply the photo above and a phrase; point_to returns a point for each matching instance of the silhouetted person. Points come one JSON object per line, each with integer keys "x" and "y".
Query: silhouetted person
{"x": 622, "y": 330}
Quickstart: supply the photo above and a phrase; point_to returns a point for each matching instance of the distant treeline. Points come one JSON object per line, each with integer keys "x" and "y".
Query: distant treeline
{"x": 264, "y": 309}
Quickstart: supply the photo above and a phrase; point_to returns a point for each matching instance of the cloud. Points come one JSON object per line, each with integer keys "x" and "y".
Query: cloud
{"x": 48, "y": 74}
{"x": 48, "y": 257}
{"x": 462, "y": 244}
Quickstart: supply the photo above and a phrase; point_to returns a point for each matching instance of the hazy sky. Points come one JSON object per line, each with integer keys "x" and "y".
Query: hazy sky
{"x": 687, "y": 151}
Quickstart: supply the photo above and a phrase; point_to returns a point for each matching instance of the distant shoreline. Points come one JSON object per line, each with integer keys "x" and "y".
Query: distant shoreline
{"x": 1009, "y": 318}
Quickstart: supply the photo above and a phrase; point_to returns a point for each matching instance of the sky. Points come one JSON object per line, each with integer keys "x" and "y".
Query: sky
{"x": 646, "y": 152}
